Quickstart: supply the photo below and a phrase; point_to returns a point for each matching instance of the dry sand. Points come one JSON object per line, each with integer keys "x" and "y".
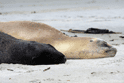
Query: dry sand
{"x": 66, "y": 14}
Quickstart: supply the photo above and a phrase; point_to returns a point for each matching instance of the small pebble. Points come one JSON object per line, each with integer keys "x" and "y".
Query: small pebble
{"x": 112, "y": 40}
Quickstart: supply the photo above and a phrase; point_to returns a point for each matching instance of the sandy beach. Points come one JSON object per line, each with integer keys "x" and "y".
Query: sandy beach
{"x": 67, "y": 14}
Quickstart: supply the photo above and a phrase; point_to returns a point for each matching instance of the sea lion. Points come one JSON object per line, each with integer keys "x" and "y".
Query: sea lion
{"x": 71, "y": 47}
{"x": 18, "y": 51}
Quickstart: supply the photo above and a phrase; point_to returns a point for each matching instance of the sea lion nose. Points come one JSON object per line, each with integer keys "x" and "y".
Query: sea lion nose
{"x": 65, "y": 59}
{"x": 62, "y": 58}
{"x": 111, "y": 52}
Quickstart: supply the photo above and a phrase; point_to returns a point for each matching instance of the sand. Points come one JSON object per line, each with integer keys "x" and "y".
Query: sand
{"x": 67, "y": 14}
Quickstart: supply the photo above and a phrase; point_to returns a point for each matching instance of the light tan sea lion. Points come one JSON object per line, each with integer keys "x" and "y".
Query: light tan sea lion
{"x": 71, "y": 47}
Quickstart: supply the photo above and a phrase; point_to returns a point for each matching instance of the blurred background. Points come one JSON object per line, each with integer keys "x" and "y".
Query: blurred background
{"x": 66, "y": 14}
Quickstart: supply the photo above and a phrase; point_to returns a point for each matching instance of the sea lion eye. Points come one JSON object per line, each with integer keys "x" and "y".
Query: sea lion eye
{"x": 91, "y": 40}
{"x": 105, "y": 44}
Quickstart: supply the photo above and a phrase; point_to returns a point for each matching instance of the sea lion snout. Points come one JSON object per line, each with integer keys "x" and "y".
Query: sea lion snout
{"x": 111, "y": 52}
{"x": 64, "y": 59}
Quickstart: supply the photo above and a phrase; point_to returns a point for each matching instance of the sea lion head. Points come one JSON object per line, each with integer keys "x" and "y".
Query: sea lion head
{"x": 103, "y": 48}
{"x": 47, "y": 54}
{"x": 85, "y": 48}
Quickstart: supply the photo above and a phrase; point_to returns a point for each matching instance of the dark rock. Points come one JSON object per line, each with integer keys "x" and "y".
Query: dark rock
{"x": 93, "y": 31}
{"x": 33, "y": 12}
{"x": 112, "y": 40}
{"x": 93, "y": 72}
{"x": 121, "y": 36}
{"x": 97, "y": 31}
{"x": 65, "y": 34}
{"x": 10, "y": 70}
{"x": 75, "y": 36}
{"x": 76, "y": 31}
